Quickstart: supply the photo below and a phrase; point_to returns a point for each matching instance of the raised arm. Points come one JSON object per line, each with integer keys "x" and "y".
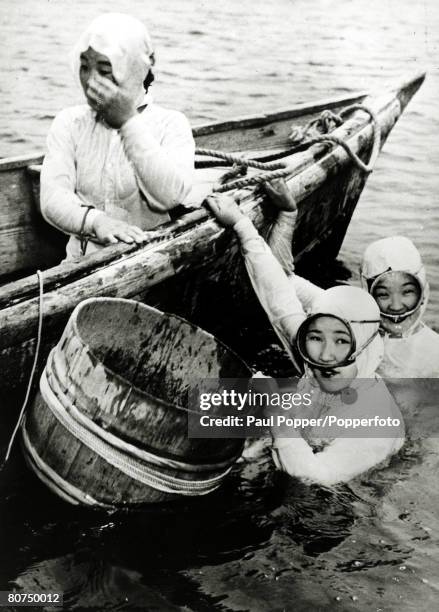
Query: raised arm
{"x": 280, "y": 239}
{"x": 271, "y": 285}
{"x": 165, "y": 169}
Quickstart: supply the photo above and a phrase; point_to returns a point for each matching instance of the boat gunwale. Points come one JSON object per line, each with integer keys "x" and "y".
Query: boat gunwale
{"x": 24, "y": 289}
{"x": 213, "y": 127}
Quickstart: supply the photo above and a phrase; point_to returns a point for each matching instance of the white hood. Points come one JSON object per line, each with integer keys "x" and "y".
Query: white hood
{"x": 399, "y": 254}
{"x": 127, "y": 44}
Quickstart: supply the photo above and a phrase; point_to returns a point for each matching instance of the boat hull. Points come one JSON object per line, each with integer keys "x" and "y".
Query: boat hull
{"x": 194, "y": 269}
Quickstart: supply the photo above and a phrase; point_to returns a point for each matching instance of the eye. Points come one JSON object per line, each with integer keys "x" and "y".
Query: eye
{"x": 381, "y": 295}
{"x": 342, "y": 341}
{"x": 107, "y": 74}
{"x": 313, "y": 338}
{"x": 409, "y": 292}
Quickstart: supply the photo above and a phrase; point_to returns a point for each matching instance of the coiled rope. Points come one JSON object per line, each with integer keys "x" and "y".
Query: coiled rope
{"x": 273, "y": 170}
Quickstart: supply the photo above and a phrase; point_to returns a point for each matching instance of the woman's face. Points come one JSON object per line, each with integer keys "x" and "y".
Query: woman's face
{"x": 396, "y": 293}
{"x": 91, "y": 64}
{"x": 328, "y": 342}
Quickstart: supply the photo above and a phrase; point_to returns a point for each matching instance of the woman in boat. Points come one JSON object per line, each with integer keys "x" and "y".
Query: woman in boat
{"x": 116, "y": 165}
{"x": 393, "y": 273}
{"x": 341, "y": 349}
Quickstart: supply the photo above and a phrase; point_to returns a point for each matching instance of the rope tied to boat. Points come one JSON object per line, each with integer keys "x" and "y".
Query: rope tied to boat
{"x": 324, "y": 123}
{"x": 34, "y": 367}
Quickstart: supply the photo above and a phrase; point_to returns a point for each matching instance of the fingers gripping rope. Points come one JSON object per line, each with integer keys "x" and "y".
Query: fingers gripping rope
{"x": 274, "y": 170}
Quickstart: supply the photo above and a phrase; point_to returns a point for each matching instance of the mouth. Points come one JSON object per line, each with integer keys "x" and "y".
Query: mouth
{"x": 328, "y": 372}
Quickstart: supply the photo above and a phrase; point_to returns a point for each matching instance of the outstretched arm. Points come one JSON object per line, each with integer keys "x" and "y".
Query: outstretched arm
{"x": 280, "y": 239}
{"x": 271, "y": 285}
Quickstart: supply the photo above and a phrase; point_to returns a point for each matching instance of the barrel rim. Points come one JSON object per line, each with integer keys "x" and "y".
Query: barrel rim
{"x": 147, "y": 307}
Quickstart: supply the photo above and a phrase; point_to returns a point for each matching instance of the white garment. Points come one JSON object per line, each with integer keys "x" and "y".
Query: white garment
{"x": 342, "y": 458}
{"x": 414, "y": 353}
{"x": 88, "y": 163}
{"x": 415, "y": 356}
{"x": 135, "y": 174}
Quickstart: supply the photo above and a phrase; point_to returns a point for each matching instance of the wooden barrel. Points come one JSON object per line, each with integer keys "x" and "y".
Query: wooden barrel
{"x": 108, "y": 426}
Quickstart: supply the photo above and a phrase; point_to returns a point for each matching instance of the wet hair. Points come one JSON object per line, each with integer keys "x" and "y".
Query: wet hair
{"x": 149, "y": 79}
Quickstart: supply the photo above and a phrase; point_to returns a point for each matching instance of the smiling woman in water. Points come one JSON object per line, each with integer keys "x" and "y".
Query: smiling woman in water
{"x": 339, "y": 349}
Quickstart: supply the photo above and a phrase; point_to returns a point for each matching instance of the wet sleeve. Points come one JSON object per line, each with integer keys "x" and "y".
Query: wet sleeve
{"x": 280, "y": 239}
{"x": 165, "y": 169}
{"x": 271, "y": 284}
{"x": 60, "y": 205}
{"x": 341, "y": 461}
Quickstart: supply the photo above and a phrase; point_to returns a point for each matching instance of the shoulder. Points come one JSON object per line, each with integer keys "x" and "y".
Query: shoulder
{"x": 72, "y": 116}
{"x": 426, "y": 333}
{"x": 167, "y": 117}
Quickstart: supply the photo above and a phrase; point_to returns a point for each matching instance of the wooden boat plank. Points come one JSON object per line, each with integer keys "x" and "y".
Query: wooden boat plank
{"x": 326, "y": 185}
{"x": 298, "y": 164}
{"x": 143, "y": 268}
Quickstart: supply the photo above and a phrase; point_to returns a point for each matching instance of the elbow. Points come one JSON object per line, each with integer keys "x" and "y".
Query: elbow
{"x": 45, "y": 207}
{"x": 172, "y": 197}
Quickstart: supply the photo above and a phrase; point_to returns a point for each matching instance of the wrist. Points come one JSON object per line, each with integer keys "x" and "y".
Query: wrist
{"x": 95, "y": 217}
{"x": 127, "y": 116}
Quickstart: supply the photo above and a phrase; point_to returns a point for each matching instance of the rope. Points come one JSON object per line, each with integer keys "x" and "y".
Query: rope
{"x": 34, "y": 367}
{"x": 132, "y": 467}
{"x": 367, "y": 168}
{"x": 237, "y": 159}
{"x": 52, "y": 479}
{"x": 275, "y": 170}
{"x": 126, "y": 447}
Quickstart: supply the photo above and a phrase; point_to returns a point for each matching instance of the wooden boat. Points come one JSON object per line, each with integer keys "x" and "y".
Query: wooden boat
{"x": 193, "y": 267}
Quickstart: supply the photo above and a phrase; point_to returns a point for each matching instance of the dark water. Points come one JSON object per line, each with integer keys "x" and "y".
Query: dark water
{"x": 264, "y": 542}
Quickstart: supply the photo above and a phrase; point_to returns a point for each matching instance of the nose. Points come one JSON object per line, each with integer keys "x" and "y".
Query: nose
{"x": 327, "y": 354}
{"x": 91, "y": 73}
{"x": 396, "y": 304}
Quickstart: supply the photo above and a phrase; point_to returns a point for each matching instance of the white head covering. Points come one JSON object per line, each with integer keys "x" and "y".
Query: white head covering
{"x": 127, "y": 44}
{"x": 354, "y": 304}
{"x": 399, "y": 254}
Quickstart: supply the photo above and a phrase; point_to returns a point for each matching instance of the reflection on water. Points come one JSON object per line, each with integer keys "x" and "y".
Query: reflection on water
{"x": 265, "y": 541}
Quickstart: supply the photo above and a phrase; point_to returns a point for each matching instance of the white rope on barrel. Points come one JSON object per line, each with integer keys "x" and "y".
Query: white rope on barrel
{"x": 130, "y": 466}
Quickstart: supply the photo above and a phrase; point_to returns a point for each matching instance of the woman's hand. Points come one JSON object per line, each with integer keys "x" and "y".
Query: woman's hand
{"x": 280, "y": 195}
{"x": 225, "y": 209}
{"x": 113, "y": 102}
{"x": 110, "y": 231}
